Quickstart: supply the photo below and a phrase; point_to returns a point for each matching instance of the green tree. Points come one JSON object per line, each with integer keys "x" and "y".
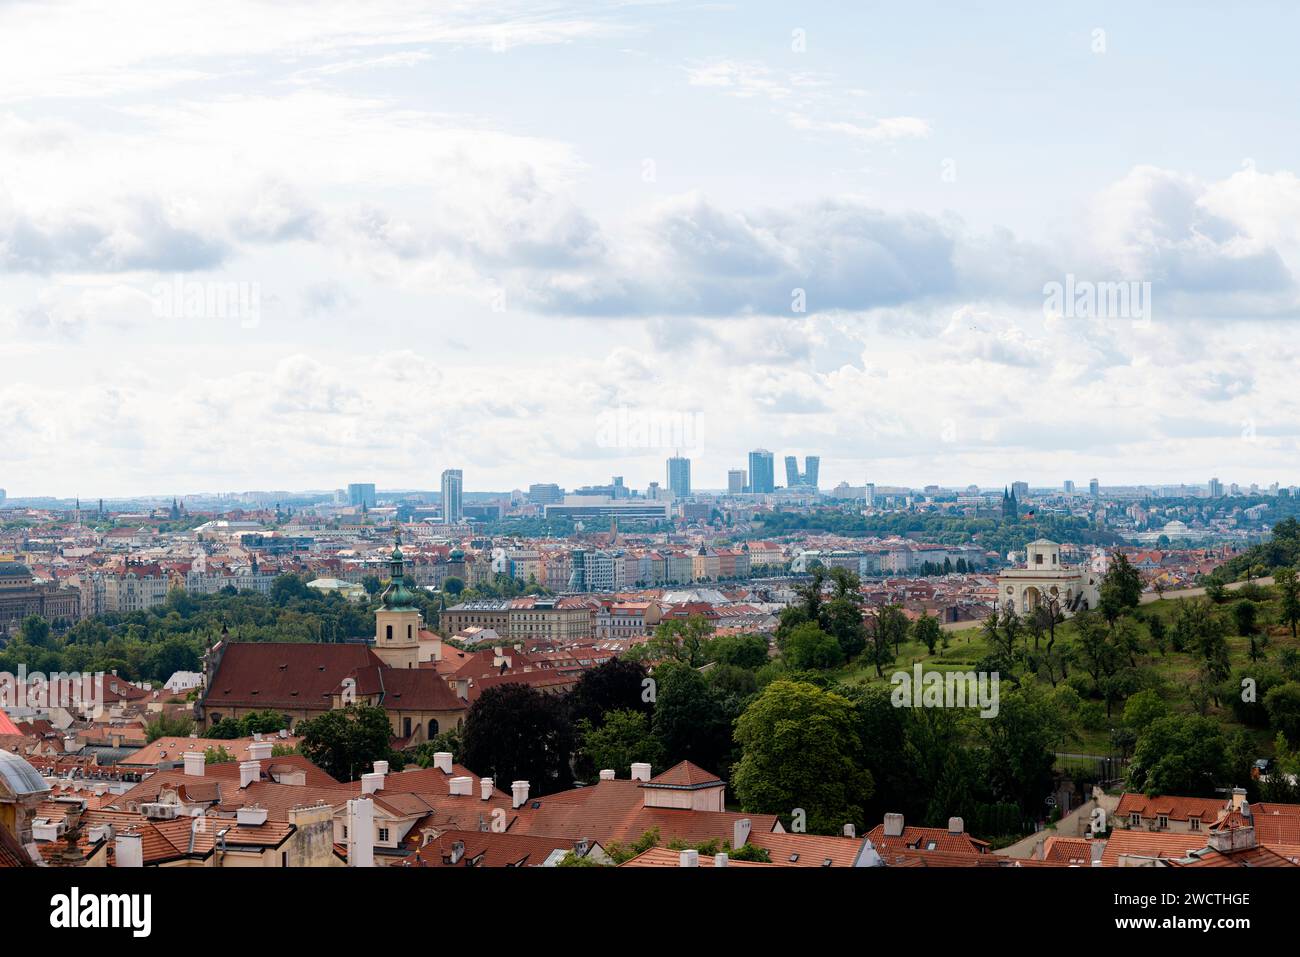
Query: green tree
{"x": 1283, "y": 706}
{"x": 346, "y": 743}
{"x": 1121, "y": 588}
{"x": 679, "y": 639}
{"x": 622, "y": 740}
{"x": 1143, "y": 708}
{"x": 1288, "y": 588}
{"x": 692, "y": 720}
{"x": 742, "y": 651}
{"x": 165, "y": 727}
{"x": 1020, "y": 742}
{"x": 886, "y": 630}
{"x": 927, "y": 631}
{"x": 807, "y": 647}
{"x": 798, "y": 747}
{"x": 1180, "y": 754}
{"x": 516, "y": 733}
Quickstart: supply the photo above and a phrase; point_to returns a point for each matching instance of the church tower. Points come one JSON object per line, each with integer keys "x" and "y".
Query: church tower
{"x": 397, "y": 622}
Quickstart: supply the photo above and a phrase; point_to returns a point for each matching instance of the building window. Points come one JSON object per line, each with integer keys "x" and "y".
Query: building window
{"x": 1135, "y": 819}
{"x": 1195, "y": 823}
{"x": 1162, "y": 821}
{"x": 388, "y": 634}
{"x": 383, "y": 834}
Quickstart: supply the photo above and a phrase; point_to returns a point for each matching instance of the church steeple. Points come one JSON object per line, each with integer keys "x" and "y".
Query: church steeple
{"x": 397, "y": 621}
{"x": 397, "y": 595}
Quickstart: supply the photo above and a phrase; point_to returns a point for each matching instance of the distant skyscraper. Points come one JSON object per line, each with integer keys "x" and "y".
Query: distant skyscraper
{"x": 1094, "y": 488}
{"x": 870, "y": 496}
{"x": 1069, "y": 487}
{"x": 545, "y": 493}
{"x": 361, "y": 495}
{"x": 1020, "y": 490}
{"x": 453, "y": 507}
{"x": 805, "y": 479}
{"x": 679, "y": 476}
{"x": 736, "y": 481}
{"x": 1216, "y": 488}
{"x": 762, "y": 471}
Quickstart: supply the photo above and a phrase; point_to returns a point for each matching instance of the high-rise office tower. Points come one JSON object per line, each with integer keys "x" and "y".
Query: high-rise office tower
{"x": 812, "y": 466}
{"x": 1020, "y": 490}
{"x": 1069, "y": 487}
{"x": 545, "y": 493}
{"x": 1094, "y": 488}
{"x": 453, "y": 507}
{"x": 762, "y": 471}
{"x": 805, "y": 479}
{"x": 1216, "y": 488}
{"x": 361, "y": 494}
{"x": 735, "y": 481}
{"x": 679, "y": 476}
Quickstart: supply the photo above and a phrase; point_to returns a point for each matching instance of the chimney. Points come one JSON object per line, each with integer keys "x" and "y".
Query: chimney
{"x": 740, "y": 832}
{"x": 195, "y": 761}
{"x": 607, "y": 774}
{"x": 442, "y": 761}
{"x": 260, "y": 750}
{"x": 462, "y": 784}
{"x": 1229, "y": 839}
{"x": 250, "y": 816}
{"x": 486, "y": 786}
{"x": 640, "y": 771}
{"x": 720, "y": 860}
{"x": 370, "y": 783}
{"x": 519, "y": 792}
{"x": 129, "y": 849}
{"x": 100, "y": 832}
{"x": 361, "y": 833}
{"x": 893, "y": 825}
{"x": 850, "y": 830}
{"x": 250, "y": 772}
{"x": 956, "y": 825}
{"x": 580, "y": 847}
{"x": 1238, "y": 798}
{"x": 381, "y": 767}
{"x": 689, "y": 858}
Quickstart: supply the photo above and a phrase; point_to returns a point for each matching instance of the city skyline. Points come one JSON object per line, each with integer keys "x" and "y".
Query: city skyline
{"x": 368, "y": 493}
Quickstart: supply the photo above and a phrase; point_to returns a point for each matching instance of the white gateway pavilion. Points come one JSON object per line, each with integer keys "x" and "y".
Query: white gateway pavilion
{"x": 1045, "y": 581}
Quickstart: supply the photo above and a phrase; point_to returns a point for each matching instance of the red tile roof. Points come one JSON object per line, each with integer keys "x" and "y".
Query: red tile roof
{"x": 280, "y": 674}
{"x": 1174, "y": 808}
{"x": 612, "y": 811}
{"x": 685, "y": 776}
{"x": 919, "y": 839}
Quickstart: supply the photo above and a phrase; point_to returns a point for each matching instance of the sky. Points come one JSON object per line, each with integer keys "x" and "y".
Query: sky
{"x": 296, "y": 245}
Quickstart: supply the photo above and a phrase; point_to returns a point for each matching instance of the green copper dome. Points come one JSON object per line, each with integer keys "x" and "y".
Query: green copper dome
{"x": 397, "y": 596}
